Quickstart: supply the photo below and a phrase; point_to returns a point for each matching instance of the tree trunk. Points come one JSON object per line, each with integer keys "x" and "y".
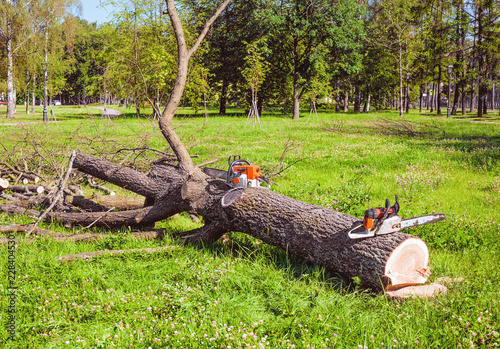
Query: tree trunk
{"x": 438, "y": 89}
{"x": 337, "y": 97}
{"x": 366, "y": 106}
{"x": 400, "y": 62}
{"x": 464, "y": 109}
{"x": 183, "y": 56}
{"x": 33, "y": 99}
{"x": 296, "y": 102}
{"x": 455, "y": 99}
{"x": 472, "y": 96}
{"x": 427, "y": 99}
{"x": 346, "y": 100}
{"x": 357, "y": 99}
{"x": 493, "y": 93}
{"x": 137, "y": 107}
{"x": 312, "y": 232}
{"x": 433, "y": 89}
{"x": 223, "y": 98}
{"x": 407, "y": 99}
{"x": 106, "y": 202}
{"x": 480, "y": 64}
{"x": 11, "y": 102}
{"x": 260, "y": 105}
{"x": 27, "y": 91}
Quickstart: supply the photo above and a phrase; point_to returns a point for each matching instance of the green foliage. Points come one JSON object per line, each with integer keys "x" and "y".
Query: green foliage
{"x": 256, "y": 68}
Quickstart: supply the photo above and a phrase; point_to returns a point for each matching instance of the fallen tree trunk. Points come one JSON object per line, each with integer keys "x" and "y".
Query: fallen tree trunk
{"x": 315, "y": 233}
{"x": 27, "y": 189}
{"x": 105, "y": 202}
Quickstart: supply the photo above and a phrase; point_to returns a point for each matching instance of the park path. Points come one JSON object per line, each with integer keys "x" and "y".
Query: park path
{"x": 109, "y": 112}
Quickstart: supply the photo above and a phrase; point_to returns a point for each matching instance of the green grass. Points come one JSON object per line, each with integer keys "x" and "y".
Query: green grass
{"x": 243, "y": 292}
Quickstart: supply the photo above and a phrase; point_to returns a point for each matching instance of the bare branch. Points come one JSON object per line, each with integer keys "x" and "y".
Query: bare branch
{"x": 59, "y": 193}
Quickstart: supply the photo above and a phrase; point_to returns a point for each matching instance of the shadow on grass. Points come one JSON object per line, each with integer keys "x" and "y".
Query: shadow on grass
{"x": 239, "y": 245}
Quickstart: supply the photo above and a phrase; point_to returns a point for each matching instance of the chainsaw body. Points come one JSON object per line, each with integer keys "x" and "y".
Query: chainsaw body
{"x": 240, "y": 174}
{"x": 244, "y": 176}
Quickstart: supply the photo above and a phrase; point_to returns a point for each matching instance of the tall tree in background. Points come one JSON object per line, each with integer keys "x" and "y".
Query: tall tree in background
{"x": 395, "y": 31}
{"x": 237, "y": 24}
{"x": 487, "y": 46}
{"x": 302, "y": 34}
{"x": 139, "y": 53}
{"x": 87, "y": 41}
{"x": 21, "y": 20}
{"x": 18, "y": 23}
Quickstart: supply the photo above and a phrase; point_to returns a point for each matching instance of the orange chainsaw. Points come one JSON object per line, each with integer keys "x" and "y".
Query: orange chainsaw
{"x": 380, "y": 221}
{"x": 241, "y": 173}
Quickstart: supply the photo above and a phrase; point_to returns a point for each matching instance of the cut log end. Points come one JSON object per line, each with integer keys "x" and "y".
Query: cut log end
{"x": 408, "y": 264}
{"x": 231, "y": 196}
{"x": 4, "y": 184}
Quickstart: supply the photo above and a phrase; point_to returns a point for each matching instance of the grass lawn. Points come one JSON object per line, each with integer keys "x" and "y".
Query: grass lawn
{"x": 246, "y": 294}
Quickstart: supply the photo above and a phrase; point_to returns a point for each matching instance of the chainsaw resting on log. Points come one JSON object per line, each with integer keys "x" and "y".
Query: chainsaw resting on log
{"x": 241, "y": 173}
{"x": 380, "y": 221}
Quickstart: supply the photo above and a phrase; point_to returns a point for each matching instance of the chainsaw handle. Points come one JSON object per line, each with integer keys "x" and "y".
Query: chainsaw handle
{"x": 374, "y": 217}
{"x": 385, "y": 213}
{"x": 235, "y": 160}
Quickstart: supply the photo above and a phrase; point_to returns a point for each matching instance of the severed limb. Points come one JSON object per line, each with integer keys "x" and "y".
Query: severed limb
{"x": 85, "y": 237}
{"x": 89, "y": 255}
{"x": 208, "y": 233}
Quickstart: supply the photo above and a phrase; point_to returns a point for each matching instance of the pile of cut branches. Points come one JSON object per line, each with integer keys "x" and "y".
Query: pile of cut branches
{"x": 61, "y": 200}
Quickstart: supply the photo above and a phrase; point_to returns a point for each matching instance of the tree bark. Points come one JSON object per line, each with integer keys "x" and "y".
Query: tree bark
{"x": 433, "y": 96}
{"x": 33, "y": 99}
{"x": 472, "y": 95}
{"x": 26, "y": 189}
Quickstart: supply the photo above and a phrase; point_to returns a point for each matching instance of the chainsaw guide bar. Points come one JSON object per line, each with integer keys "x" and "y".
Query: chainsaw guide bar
{"x": 380, "y": 221}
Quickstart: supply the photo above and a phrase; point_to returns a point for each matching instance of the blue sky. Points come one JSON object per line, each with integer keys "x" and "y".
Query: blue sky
{"x": 92, "y": 12}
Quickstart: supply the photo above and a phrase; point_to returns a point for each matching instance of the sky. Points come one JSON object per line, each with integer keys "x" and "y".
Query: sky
{"x": 92, "y": 12}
